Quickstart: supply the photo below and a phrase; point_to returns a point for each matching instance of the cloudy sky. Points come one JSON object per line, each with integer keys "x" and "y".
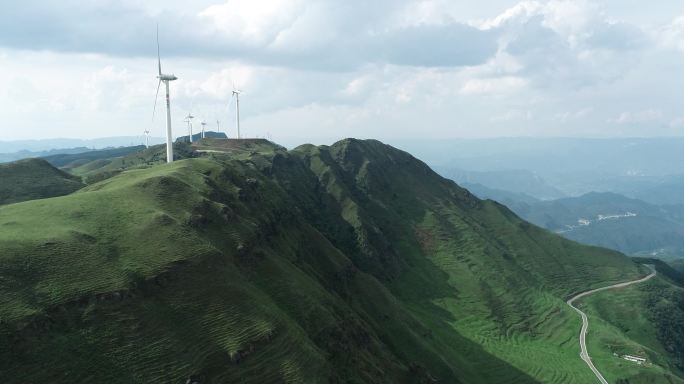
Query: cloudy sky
{"x": 316, "y": 70}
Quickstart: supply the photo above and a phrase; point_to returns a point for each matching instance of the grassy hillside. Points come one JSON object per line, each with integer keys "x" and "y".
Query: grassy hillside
{"x": 105, "y": 166}
{"x": 34, "y": 179}
{"x": 645, "y": 320}
{"x": 348, "y": 263}
{"x": 69, "y": 161}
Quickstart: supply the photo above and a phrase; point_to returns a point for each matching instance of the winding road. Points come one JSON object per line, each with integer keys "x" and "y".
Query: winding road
{"x": 584, "y": 354}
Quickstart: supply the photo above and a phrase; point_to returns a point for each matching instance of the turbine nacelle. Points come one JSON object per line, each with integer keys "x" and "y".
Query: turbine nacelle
{"x": 163, "y": 77}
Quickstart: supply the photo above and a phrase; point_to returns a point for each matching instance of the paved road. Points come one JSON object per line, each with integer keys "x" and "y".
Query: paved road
{"x": 585, "y": 322}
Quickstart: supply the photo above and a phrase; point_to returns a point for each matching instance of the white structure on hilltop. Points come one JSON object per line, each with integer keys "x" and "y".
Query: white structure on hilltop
{"x": 634, "y": 359}
{"x": 166, "y": 79}
{"x": 236, "y": 94}
{"x": 188, "y": 119}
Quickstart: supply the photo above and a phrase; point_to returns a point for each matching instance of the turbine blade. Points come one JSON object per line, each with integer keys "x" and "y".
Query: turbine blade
{"x": 158, "y": 54}
{"x": 155, "y": 100}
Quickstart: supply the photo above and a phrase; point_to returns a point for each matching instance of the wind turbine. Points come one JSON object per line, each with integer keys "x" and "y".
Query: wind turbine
{"x": 147, "y": 138}
{"x": 236, "y": 94}
{"x": 166, "y": 79}
{"x": 204, "y": 123}
{"x": 218, "y": 126}
{"x": 188, "y": 119}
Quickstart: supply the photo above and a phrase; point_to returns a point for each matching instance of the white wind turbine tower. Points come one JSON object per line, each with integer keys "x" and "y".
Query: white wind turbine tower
{"x": 218, "y": 126}
{"x": 166, "y": 79}
{"x": 204, "y": 124}
{"x": 236, "y": 94}
{"x": 188, "y": 119}
{"x": 147, "y": 137}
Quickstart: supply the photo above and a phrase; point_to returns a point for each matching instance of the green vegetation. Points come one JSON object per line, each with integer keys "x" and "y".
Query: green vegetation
{"x": 349, "y": 263}
{"x": 32, "y": 179}
{"x": 106, "y": 166}
{"x": 69, "y": 161}
{"x": 678, "y": 265}
{"x": 646, "y": 320}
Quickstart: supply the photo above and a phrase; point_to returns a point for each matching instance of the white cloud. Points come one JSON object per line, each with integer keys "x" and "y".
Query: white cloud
{"x": 512, "y": 115}
{"x": 379, "y": 69}
{"x": 672, "y": 34}
{"x": 257, "y": 21}
{"x": 677, "y": 123}
{"x": 520, "y": 13}
{"x": 220, "y": 85}
{"x": 564, "y": 117}
{"x": 493, "y": 86}
{"x": 645, "y": 116}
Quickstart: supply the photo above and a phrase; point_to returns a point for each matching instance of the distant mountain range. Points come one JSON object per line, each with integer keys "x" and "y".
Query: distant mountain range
{"x": 8, "y": 157}
{"x": 648, "y": 169}
{"x": 43, "y": 145}
{"x": 605, "y": 219}
{"x": 521, "y": 182}
{"x": 552, "y": 182}
{"x": 631, "y": 157}
{"x": 24, "y": 149}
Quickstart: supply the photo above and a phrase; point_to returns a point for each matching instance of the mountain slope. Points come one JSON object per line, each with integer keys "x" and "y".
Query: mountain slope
{"x": 68, "y": 161}
{"x": 34, "y": 179}
{"x": 348, "y": 263}
{"x": 645, "y": 320}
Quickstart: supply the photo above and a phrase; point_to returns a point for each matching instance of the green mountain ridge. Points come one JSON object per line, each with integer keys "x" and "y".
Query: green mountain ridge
{"x": 68, "y": 161}
{"x": 32, "y": 179}
{"x": 346, "y": 263}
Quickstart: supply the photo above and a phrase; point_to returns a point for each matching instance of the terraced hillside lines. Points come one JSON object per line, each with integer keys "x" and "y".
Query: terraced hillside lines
{"x": 640, "y": 320}
{"x": 32, "y": 179}
{"x": 490, "y": 272}
{"x": 249, "y": 263}
{"x": 584, "y": 354}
